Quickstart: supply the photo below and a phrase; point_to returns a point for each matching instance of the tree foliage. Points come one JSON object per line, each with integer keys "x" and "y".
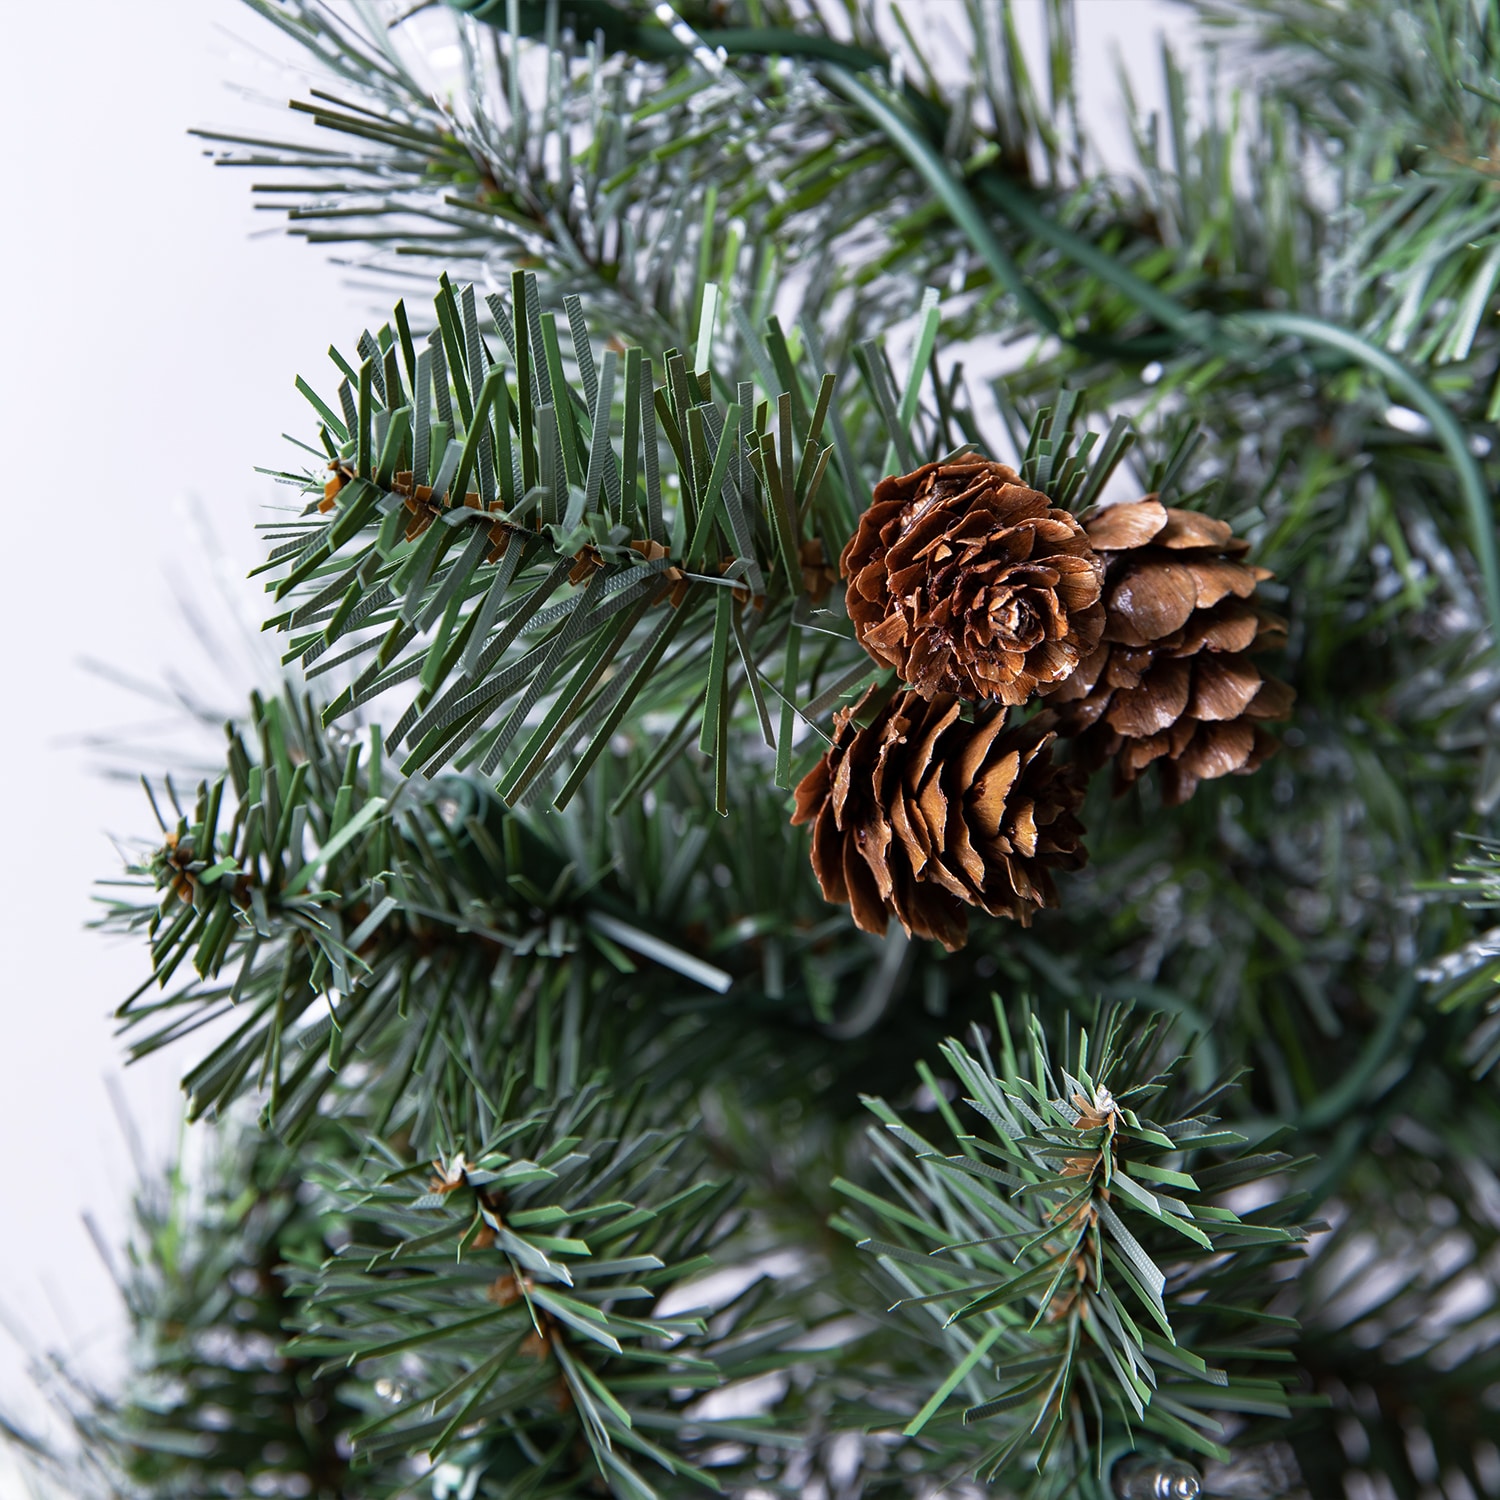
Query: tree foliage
{"x": 501, "y": 887}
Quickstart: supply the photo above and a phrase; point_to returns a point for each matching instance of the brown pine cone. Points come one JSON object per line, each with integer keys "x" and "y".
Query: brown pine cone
{"x": 966, "y": 581}
{"x": 1172, "y": 683}
{"x": 921, "y": 815}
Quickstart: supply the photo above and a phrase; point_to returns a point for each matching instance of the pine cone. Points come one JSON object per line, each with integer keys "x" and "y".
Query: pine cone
{"x": 921, "y": 815}
{"x": 966, "y": 581}
{"x": 1172, "y": 682}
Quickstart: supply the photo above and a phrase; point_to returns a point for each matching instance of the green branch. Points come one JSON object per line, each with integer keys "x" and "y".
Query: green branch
{"x": 950, "y": 192}
{"x": 1445, "y": 427}
{"x": 1214, "y": 334}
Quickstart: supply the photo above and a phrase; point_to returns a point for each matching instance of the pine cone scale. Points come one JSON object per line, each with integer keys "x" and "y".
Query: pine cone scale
{"x": 932, "y": 806}
{"x": 914, "y": 849}
{"x": 864, "y": 894}
{"x": 1191, "y": 529}
{"x": 1220, "y": 578}
{"x": 939, "y": 717}
{"x": 991, "y": 792}
{"x": 1223, "y": 689}
{"x": 827, "y": 857}
{"x": 1121, "y": 528}
{"x": 1156, "y": 703}
{"x": 973, "y": 756}
{"x": 1023, "y": 836}
{"x": 812, "y": 791}
{"x": 1218, "y": 749}
{"x": 1151, "y": 602}
{"x": 1230, "y": 626}
{"x": 970, "y": 861}
{"x": 1273, "y": 700}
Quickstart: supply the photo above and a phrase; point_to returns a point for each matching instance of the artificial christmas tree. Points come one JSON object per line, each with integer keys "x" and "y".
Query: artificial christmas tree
{"x": 574, "y": 1142}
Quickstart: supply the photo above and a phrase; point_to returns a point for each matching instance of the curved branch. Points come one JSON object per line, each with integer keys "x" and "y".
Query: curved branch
{"x": 1445, "y": 427}
{"x": 1204, "y": 329}
{"x": 950, "y": 192}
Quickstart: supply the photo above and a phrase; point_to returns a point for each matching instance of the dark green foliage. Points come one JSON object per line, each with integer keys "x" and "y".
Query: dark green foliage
{"x": 551, "y": 582}
{"x": 1395, "y": 1305}
{"x": 1075, "y": 1261}
{"x": 560, "y": 566}
{"x": 217, "y": 1405}
{"x": 1467, "y": 979}
{"x": 509, "y": 1302}
{"x": 432, "y": 914}
{"x": 564, "y": 856}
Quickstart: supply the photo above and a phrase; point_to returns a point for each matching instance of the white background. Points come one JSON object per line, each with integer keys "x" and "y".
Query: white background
{"x": 130, "y": 267}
